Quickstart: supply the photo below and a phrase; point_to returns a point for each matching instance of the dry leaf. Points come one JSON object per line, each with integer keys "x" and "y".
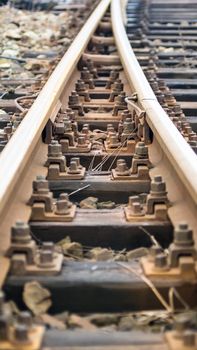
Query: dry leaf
{"x": 76, "y": 321}
{"x": 89, "y": 203}
{"x": 71, "y": 248}
{"x": 106, "y": 205}
{"x": 136, "y": 253}
{"x": 53, "y": 322}
{"x": 36, "y": 298}
{"x": 102, "y": 320}
{"x": 100, "y": 254}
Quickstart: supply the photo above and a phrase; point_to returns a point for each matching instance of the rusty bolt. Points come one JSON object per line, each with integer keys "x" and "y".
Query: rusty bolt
{"x": 161, "y": 99}
{"x": 67, "y": 124}
{"x": 16, "y": 123}
{"x": 74, "y": 99}
{"x": 151, "y": 64}
{"x": 85, "y": 74}
{"x": 48, "y": 246}
{"x": 154, "y": 86}
{"x": 121, "y": 167}
{"x": 189, "y": 338}
{"x": 133, "y": 199}
{"x": 46, "y": 257}
{"x": 54, "y": 149}
{"x": 40, "y": 185}
{"x": 24, "y": 317}
{"x": 63, "y": 204}
{"x": 81, "y": 142}
{"x": 73, "y": 168}
{"x": 8, "y": 128}
{"x": 149, "y": 74}
{"x": 90, "y": 64}
{"x": 181, "y": 323}
{"x": 21, "y": 333}
{"x": 110, "y": 128}
{"x": 193, "y": 144}
{"x": 120, "y": 128}
{"x": 20, "y": 233}
{"x": 77, "y": 161}
{"x": 128, "y": 125}
{"x": 185, "y": 125}
{"x": 113, "y": 75}
{"x": 188, "y": 130}
{"x": 86, "y": 126}
{"x": 138, "y": 32}
{"x": 170, "y": 112}
{"x": 193, "y": 136}
{"x": 118, "y": 86}
{"x": 70, "y": 113}
{"x": 162, "y": 85}
{"x": 177, "y": 109}
{"x": 125, "y": 114}
{"x": 158, "y": 186}
{"x": 137, "y": 209}
{"x": 120, "y": 99}
{"x": 183, "y": 235}
{"x": 85, "y": 130}
{"x": 160, "y": 260}
{"x": 141, "y": 151}
{"x": 80, "y": 86}
{"x": 169, "y": 98}
{"x": 155, "y": 250}
{"x": 113, "y": 140}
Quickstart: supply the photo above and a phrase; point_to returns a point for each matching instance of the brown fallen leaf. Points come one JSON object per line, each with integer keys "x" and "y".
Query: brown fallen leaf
{"x": 76, "y": 321}
{"x": 73, "y": 249}
{"x": 36, "y": 298}
{"x": 100, "y": 254}
{"x": 103, "y": 320}
{"x": 106, "y": 205}
{"x": 53, "y": 322}
{"x": 126, "y": 323}
{"x": 136, "y": 253}
{"x": 89, "y": 203}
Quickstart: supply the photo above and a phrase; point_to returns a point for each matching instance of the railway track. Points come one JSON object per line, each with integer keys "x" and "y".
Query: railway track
{"x": 98, "y": 196}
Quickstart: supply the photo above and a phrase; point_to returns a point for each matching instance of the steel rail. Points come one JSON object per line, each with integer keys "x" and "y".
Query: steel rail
{"x": 177, "y": 150}
{"x": 18, "y": 152}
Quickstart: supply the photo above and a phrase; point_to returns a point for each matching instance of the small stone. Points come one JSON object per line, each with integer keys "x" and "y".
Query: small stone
{"x": 30, "y": 35}
{"x": 36, "y": 64}
{"x": 89, "y": 203}
{"x": 136, "y": 253}
{"x": 10, "y": 53}
{"x": 100, "y": 254}
{"x": 13, "y": 34}
{"x": 4, "y": 65}
{"x": 2, "y": 112}
{"x": 126, "y": 323}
